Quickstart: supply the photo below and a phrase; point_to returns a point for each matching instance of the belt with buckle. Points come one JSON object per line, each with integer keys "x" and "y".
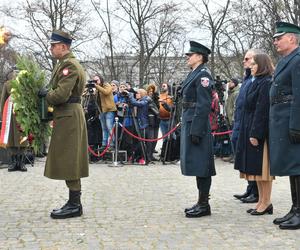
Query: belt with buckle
{"x": 282, "y": 99}
{"x": 74, "y": 99}
{"x": 188, "y": 105}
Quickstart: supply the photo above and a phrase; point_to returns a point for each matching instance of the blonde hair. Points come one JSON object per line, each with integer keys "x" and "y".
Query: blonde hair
{"x": 142, "y": 92}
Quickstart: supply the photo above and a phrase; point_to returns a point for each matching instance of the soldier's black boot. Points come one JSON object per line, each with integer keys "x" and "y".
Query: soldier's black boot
{"x": 278, "y": 221}
{"x": 13, "y": 165}
{"x": 21, "y": 162}
{"x": 294, "y": 222}
{"x": 72, "y": 208}
{"x": 195, "y": 205}
{"x": 203, "y": 209}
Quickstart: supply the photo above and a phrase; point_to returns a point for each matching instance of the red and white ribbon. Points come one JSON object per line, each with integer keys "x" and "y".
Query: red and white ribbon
{"x": 6, "y": 120}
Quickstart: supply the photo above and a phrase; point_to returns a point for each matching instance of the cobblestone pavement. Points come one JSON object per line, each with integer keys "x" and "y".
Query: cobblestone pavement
{"x": 137, "y": 207}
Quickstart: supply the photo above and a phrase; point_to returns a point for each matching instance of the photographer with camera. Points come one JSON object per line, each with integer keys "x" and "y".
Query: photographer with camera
{"x": 91, "y": 112}
{"x": 107, "y": 106}
{"x": 115, "y": 88}
{"x": 153, "y": 115}
{"x": 124, "y": 113}
{"x": 142, "y": 153}
{"x": 165, "y": 107}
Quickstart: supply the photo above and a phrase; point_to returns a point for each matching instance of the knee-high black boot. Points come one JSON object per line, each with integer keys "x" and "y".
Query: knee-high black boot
{"x": 13, "y": 164}
{"x": 278, "y": 221}
{"x": 72, "y": 208}
{"x": 202, "y": 209}
{"x": 294, "y": 221}
{"x": 195, "y": 205}
{"x": 21, "y": 162}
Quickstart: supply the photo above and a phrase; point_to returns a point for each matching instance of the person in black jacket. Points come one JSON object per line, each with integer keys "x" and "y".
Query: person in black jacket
{"x": 196, "y": 144}
{"x": 252, "y": 158}
{"x": 153, "y": 115}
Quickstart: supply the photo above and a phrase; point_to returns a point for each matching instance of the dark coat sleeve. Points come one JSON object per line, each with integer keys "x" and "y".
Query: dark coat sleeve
{"x": 259, "y": 128}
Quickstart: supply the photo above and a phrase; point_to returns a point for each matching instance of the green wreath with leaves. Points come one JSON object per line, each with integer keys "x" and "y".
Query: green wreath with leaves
{"x": 26, "y": 103}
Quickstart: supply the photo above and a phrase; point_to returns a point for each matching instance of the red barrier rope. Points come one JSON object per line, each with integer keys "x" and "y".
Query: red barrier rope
{"x": 222, "y": 133}
{"x": 143, "y": 139}
{"x": 106, "y": 148}
{"x": 150, "y": 140}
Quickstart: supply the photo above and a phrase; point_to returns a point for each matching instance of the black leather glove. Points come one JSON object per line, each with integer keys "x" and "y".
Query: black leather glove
{"x": 294, "y": 136}
{"x": 42, "y": 92}
{"x": 178, "y": 91}
{"x": 195, "y": 139}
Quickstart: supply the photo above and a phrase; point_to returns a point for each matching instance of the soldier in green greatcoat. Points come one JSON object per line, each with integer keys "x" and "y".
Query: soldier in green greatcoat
{"x": 15, "y": 145}
{"x": 284, "y": 118}
{"x": 68, "y": 153}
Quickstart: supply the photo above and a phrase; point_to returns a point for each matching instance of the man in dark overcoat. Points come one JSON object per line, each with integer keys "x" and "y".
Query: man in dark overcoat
{"x": 251, "y": 194}
{"x": 68, "y": 154}
{"x": 284, "y": 122}
{"x": 196, "y": 146}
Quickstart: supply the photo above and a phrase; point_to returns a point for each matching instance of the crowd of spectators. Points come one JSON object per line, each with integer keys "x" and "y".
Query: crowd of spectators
{"x": 141, "y": 111}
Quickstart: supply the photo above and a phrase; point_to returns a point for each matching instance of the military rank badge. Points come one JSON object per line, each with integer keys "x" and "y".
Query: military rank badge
{"x": 205, "y": 82}
{"x": 65, "y": 71}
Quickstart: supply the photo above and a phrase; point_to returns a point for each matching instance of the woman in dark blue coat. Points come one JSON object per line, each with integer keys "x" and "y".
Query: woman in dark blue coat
{"x": 252, "y": 158}
{"x": 142, "y": 102}
{"x": 196, "y": 152}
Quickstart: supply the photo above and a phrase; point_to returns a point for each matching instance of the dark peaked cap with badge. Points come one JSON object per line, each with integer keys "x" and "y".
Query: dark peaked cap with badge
{"x": 59, "y": 36}
{"x": 198, "y": 48}
{"x": 283, "y": 28}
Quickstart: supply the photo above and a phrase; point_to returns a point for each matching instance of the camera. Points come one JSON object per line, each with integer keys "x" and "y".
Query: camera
{"x": 124, "y": 94}
{"x": 91, "y": 85}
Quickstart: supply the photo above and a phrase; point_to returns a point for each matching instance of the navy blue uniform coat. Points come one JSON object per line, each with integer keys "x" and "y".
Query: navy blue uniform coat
{"x": 197, "y": 160}
{"x": 254, "y": 123}
{"x": 239, "y": 106}
{"x": 285, "y": 156}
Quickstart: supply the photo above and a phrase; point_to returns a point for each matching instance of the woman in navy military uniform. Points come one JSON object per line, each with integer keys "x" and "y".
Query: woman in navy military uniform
{"x": 196, "y": 147}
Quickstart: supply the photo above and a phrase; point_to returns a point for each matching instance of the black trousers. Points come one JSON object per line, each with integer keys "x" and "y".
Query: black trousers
{"x": 203, "y": 184}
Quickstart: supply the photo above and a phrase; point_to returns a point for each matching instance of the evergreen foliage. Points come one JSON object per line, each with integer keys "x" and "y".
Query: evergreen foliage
{"x": 26, "y": 102}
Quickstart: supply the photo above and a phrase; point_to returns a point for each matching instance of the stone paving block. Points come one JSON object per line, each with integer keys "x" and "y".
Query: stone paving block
{"x": 137, "y": 207}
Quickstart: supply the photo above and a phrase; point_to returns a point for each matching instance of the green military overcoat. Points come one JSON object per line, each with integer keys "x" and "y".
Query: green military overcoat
{"x": 14, "y": 136}
{"x": 285, "y": 115}
{"x": 68, "y": 151}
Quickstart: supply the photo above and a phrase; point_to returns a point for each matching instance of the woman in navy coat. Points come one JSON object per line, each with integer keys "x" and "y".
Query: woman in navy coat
{"x": 252, "y": 158}
{"x": 196, "y": 151}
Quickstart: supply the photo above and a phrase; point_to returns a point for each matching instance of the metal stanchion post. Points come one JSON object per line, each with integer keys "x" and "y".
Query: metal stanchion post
{"x": 115, "y": 162}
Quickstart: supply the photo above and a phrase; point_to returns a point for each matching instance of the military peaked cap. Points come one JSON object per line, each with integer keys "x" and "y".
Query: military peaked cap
{"x": 283, "y": 28}
{"x": 198, "y": 48}
{"x": 59, "y": 36}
